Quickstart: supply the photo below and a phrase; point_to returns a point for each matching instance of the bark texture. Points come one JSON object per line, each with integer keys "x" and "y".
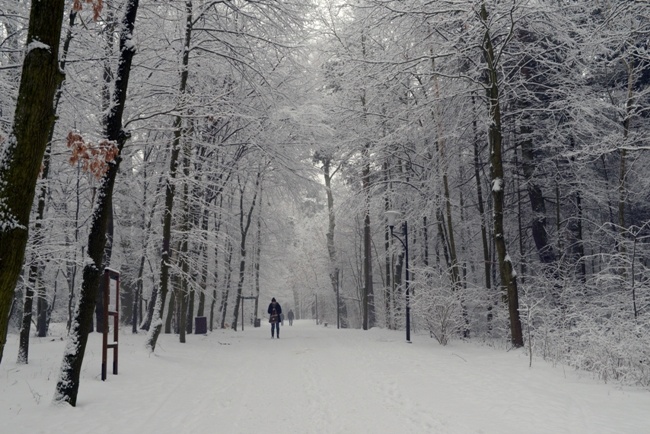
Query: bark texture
{"x": 23, "y": 151}
{"x": 508, "y": 276}
{"x": 68, "y": 385}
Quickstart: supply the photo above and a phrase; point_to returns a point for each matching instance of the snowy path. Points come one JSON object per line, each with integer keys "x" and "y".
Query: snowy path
{"x": 313, "y": 380}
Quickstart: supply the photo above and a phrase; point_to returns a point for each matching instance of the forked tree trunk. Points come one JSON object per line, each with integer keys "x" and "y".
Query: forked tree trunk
{"x": 331, "y": 247}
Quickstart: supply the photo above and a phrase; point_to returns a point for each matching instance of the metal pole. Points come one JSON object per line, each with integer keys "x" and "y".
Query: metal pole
{"x": 408, "y": 295}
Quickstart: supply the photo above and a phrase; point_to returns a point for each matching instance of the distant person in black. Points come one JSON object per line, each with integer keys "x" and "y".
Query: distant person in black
{"x": 290, "y": 317}
{"x": 275, "y": 310}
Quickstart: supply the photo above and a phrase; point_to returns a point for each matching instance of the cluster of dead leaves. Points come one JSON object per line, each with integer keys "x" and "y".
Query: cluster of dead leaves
{"x": 77, "y": 5}
{"x": 94, "y": 159}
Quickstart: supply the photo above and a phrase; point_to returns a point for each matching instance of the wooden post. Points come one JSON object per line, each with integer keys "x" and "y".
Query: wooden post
{"x": 114, "y": 312}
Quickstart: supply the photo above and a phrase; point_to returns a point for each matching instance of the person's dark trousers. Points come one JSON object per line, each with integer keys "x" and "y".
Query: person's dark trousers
{"x": 274, "y": 326}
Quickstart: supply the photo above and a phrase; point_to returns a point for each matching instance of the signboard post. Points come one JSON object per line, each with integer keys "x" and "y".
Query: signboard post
{"x": 112, "y": 309}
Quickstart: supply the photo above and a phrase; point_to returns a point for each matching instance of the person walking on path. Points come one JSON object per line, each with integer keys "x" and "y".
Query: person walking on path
{"x": 275, "y": 310}
{"x": 290, "y": 317}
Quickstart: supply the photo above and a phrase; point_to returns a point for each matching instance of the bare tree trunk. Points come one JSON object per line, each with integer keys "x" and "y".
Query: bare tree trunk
{"x": 71, "y": 269}
{"x": 520, "y": 224}
{"x": 146, "y": 321}
{"x": 334, "y": 272}
{"x": 107, "y": 75}
{"x": 244, "y": 225}
{"x": 537, "y": 201}
{"x": 368, "y": 302}
{"x": 23, "y": 341}
{"x": 37, "y": 267}
{"x": 217, "y": 228}
{"x": 170, "y": 190}
{"x": 187, "y": 293}
{"x": 108, "y": 251}
{"x": 622, "y": 171}
{"x": 175, "y": 289}
{"x": 368, "y": 299}
{"x": 508, "y": 277}
{"x": 24, "y": 150}
{"x": 577, "y": 247}
{"x": 481, "y": 207}
{"x": 203, "y": 252}
{"x": 227, "y": 283}
{"x": 183, "y": 292}
{"x": 258, "y": 258}
{"x": 388, "y": 269}
{"x": 68, "y": 384}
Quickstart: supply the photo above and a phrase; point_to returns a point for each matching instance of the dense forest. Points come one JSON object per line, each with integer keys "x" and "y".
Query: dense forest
{"x": 219, "y": 153}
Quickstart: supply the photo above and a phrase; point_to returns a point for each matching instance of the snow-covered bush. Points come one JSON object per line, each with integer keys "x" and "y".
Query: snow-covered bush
{"x": 437, "y": 307}
{"x": 592, "y": 327}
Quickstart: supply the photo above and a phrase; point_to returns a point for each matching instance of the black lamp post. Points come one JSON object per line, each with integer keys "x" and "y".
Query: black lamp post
{"x": 391, "y": 217}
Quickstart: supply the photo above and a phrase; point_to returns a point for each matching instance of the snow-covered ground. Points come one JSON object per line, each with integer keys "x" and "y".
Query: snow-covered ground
{"x": 314, "y": 379}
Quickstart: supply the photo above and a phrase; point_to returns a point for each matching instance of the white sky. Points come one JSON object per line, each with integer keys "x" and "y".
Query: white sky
{"x": 314, "y": 379}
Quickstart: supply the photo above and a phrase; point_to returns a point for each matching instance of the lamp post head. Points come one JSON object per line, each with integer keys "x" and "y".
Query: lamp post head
{"x": 391, "y": 217}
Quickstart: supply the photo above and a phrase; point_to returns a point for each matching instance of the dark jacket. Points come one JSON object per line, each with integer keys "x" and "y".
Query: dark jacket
{"x": 274, "y": 311}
